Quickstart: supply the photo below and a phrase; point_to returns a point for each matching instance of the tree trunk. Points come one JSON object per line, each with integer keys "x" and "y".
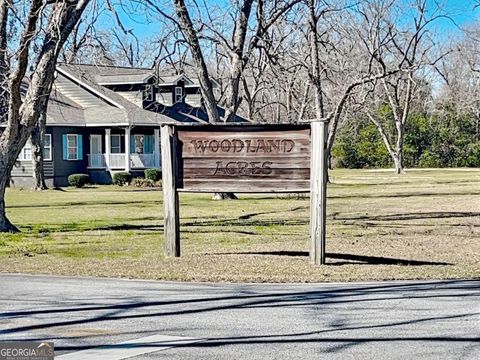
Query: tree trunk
{"x": 231, "y": 103}
{"x": 38, "y": 142}
{"x": 5, "y": 224}
{"x": 398, "y": 161}
{"x": 24, "y": 112}
{"x": 206, "y": 87}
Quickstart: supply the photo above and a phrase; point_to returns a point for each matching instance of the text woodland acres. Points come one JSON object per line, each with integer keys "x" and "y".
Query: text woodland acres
{"x": 238, "y": 146}
{"x": 243, "y": 148}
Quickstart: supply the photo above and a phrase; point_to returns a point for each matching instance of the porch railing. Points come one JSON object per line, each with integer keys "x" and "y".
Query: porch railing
{"x": 142, "y": 160}
{"x": 117, "y": 161}
{"x": 96, "y": 161}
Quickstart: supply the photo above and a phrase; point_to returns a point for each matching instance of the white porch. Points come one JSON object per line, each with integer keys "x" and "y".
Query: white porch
{"x": 112, "y": 159}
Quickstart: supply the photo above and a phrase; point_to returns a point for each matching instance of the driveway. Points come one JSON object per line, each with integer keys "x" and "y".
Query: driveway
{"x": 91, "y": 318}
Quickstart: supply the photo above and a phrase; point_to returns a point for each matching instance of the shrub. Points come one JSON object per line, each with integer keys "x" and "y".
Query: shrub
{"x": 145, "y": 183}
{"x": 142, "y": 183}
{"x": 78, "y": 180}
{"x": 121, "y": 178}
{"x": 153, "y": 174}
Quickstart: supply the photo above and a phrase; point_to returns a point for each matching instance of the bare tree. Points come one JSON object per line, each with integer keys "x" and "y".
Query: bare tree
{"x": 344, "y": 43}
{"x": 411, "y": 52}
{"x": 23, "y": 115}
{"x": 460, "y": 71}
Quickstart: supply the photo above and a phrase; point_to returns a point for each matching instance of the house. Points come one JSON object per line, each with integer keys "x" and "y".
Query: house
{"x": 106, "y": 119}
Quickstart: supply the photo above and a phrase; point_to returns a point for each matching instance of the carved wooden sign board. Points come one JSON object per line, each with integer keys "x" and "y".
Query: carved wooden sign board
{"x": 238, "y": 159}
{"x": 243, "y": 159}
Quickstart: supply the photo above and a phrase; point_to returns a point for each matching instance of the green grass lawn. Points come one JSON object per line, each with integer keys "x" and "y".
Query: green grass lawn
{"x": 421, "y": 225}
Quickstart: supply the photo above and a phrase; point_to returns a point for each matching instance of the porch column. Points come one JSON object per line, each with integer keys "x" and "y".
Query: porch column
{"x": 127, "y": 149}
{"x": 108, "y": 147}
{"x": 156, "y": 148}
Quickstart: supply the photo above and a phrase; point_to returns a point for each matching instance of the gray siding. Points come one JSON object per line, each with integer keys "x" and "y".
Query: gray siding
{"x": 165, "y": 98}
{"x": 22, "y": 172}
{"x": 25, "y": 168}
{"x": 194, "y": 100}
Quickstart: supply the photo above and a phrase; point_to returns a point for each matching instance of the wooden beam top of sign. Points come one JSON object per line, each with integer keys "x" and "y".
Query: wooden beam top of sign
{"x": 244, "y": 158}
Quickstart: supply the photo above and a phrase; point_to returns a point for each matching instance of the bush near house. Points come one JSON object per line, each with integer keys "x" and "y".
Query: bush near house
{"x": 78, "y": 180}
{"x": 145, "y": 183}
{"x": 121, "y": 178}
{"x": 153, "y": 174}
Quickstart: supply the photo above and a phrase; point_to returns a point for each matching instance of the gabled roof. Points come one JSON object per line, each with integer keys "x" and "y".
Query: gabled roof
{"x": 98, "y": 105}
{"x": 174, "y": 79}
{"x": 79, "y": 97}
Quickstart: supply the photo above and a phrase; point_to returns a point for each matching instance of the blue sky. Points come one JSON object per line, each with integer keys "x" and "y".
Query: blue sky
{"x": 461, "y": 12}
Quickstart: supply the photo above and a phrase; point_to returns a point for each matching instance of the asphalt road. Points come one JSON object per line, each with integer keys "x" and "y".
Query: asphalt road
{"x": 383, "y": 320}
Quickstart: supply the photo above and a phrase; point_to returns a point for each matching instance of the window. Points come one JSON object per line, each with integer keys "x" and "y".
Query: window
{"x": 47, "y": 148}
{"x": 26, "y": 153}
{"x": 72, "y": 147}
{"x": 116, "y": 144}
{"x": 149, "y": 93}
{"x": 178, "y": 94}
{"x": 139, "y": 140}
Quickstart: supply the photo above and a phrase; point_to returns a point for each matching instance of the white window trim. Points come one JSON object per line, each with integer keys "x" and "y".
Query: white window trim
{"x": 119, "y": 144}
{"x": 48, "y": 147}
{"x": 22, "y": 157}
{"x": 71, "y": 147}
{"x": 149, "y": 93}
{"x": 178, "y": 93}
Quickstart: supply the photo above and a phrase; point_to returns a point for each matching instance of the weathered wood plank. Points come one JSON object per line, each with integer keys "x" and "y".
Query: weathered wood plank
{"x": 244, "y": 186}
{"x": 257, "y": 173}
{"x": 244, "y": 145}
{"x": 170, "y": 194}
{"x": 297, "y": 162}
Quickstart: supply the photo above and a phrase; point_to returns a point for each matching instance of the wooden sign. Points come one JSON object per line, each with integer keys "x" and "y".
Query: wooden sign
{"x": 247, "y": 158}
{"x": 243, "y": 159}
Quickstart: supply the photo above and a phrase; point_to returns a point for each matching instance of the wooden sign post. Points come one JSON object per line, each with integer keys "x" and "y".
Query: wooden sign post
{"x": 171, "y": 216}
{"x": 318, "y": 194}
{"x": 244, "y": 159}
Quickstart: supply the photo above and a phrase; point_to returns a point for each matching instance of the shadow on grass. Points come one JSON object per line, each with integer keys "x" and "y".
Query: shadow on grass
{"x": 403, "y": 195}
{"x": 87, "y": 203}
{"x": 349, "y": 259}
{"x": 412, "y": 216}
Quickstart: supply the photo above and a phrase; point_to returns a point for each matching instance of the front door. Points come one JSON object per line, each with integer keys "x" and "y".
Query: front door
{"x": 96, "y": 154}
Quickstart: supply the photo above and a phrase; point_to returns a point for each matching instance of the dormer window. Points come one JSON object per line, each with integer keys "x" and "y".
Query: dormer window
{"x": 178, "y": 94}
{"x": 149, "y": 94}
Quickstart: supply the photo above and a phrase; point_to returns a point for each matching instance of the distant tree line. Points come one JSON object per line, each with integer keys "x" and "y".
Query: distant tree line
{"x": 432, "y": 140}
